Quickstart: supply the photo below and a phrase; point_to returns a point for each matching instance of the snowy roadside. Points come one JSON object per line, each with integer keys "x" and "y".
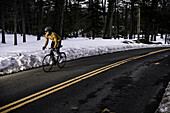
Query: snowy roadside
{"x": 29, "y": 55}
{"x": 164, "y": 106}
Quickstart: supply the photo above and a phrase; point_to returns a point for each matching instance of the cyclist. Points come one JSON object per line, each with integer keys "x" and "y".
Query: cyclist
{"x": 54, "y": 37}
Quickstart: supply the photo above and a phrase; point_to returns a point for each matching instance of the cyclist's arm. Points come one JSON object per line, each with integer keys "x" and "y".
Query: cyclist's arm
{"x": 55, "y": 40}
{"x": 58, "y": 38}
{"x": 46, "y": 41}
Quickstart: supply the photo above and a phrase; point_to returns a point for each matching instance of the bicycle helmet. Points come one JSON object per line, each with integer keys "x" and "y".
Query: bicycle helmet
{"x": 48, "y": 29}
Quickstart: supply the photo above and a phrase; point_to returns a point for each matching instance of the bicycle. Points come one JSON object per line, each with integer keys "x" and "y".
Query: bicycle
{"x": 53, "y": 59}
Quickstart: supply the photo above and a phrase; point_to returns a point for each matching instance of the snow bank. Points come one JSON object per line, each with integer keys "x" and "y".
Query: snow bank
{"x": 164, "y": 106}
{"x": 30, "y": 55}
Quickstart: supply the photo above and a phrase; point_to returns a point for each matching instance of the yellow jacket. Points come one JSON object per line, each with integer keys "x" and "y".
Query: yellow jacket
{"x": 54, "y": 37}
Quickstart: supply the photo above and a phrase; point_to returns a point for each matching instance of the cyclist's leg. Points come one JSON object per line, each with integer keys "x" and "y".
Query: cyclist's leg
{"x": 58, "y": 49}
{"x": 52, "y": 44}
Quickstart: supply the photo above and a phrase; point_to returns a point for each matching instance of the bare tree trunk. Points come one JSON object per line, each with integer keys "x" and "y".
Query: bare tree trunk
{"x": 91, "y": 7}
{"x": 104, "y": 9}
{"x": 62, "y": 20}
{"x": 19, "y": 27}
{"x": 156, "y": 32}
{"x": 154, "y": 8}
{"x": 3, "y": 22}
{"x": 162, "y": 35}
{"x": 166, "y": 38}
{"x": 117, "y": 23}
{"x": 59, "y": 16}
{"x": 104, "y": 14}
{"x": 152, "y": 35}
{"x": 23, "y": 20}
{"x": 131, "y": 31}
{"x": 138, "y": 22}
{"x": 60, "y": 6}
{"x": 15, "y": 23}
{"x": 39, "y": 22}
{"x": 108, "y": 28}
{"x": 115, "y": 20}
{"x": 147, "y": 29}
{"x": 125, "y": 22}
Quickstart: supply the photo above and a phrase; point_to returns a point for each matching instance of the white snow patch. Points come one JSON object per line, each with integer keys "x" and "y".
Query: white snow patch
{"x": 29, "y": 55}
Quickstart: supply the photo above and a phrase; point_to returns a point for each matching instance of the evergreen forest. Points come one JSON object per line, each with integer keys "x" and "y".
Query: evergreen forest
{"x": 88, "y": 18}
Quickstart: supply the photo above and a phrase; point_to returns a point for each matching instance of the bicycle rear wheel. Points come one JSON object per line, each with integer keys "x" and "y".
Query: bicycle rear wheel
{"x": 47, "y": 63}
{"x": 61, "y": 60}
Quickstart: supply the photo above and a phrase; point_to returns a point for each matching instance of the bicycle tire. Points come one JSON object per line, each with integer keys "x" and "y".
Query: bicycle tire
{"x": 47, "y": 63}
{"x": 61, "y": 60}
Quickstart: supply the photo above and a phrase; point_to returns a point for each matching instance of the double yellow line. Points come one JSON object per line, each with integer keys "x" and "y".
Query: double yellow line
{"x": 19, "y": 103}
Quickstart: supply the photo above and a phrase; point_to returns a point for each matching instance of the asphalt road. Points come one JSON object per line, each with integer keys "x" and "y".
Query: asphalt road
{"x": 122, "y": 82}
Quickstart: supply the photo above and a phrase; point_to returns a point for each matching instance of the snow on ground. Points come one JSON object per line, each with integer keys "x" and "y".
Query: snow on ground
{"x": 164, "y": 106}
{"x": 30, "y": 54}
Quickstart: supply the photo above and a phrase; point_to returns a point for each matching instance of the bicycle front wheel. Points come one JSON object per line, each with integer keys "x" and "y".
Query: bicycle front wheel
{"x": 47, "y": 63}
{"x": 61, "y": 60}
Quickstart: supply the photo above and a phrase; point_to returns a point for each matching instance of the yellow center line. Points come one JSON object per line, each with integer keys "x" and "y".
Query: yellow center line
{"x": 62, "y": 87}
{"x": 48, "y": 89}
{"x": 65, "y": 84}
